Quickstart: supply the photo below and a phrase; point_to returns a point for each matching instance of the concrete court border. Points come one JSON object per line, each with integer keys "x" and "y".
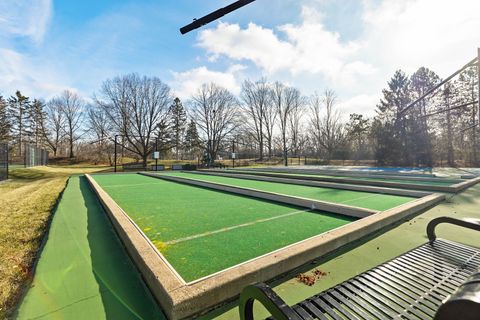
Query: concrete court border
{"x": 338, "y": 208}
{"x": 311, "y": 183}
{"x": 454, "y": 188}
{"x": 347, "y": 173}
{"x": 181, "y": 300}
{"x": 350, "y": 174}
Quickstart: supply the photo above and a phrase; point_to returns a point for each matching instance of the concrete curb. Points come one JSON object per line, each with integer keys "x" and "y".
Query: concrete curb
{"x": 181, "y": 300}
{"x": 272, "y": 196}
{"x": 345, "y": 173}
{"x": 464, "y": 185}
{"x": 387, "y": 184}
{"x": 310, "y": 183}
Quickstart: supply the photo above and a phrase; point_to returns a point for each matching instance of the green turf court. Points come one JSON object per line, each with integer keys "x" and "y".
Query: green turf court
{"x": 367, "y": 200}
{"x": 201, "y": 231}
{"x": 440, "y": 182}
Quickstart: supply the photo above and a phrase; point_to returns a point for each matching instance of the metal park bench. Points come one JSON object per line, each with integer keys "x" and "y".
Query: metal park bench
{"x": 438, "y": 280}
{"x": 159, "y": 167}
{"x": 133, "y": 166}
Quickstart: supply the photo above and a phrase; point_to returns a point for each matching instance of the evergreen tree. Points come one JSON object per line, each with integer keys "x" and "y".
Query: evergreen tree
{"x": 19, "y": 118}
{"x": 164, "y": 137}
{"x": 421, "y": 145}
{"x": 358, "y": 128}
{"x": 36, "y": 124}
{"x": 392, "y": 121}
{"x": 4, "y": 121}
{"x": 192, "y": 140}
{"x": 178, "y": 124}
{"x": 468, "y": 91}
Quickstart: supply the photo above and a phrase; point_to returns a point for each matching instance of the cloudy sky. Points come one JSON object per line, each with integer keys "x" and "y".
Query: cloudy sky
{"x": 350, "y": 46}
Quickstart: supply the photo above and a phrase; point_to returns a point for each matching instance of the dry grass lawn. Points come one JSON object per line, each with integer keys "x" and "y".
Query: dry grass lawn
{"x": 26, "y": 203}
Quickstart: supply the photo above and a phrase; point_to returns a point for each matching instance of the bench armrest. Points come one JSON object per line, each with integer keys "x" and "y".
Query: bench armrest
{"x": 464, "y": 303}
{"x": 466, "y": 223}
{"x": 269, "y": 299}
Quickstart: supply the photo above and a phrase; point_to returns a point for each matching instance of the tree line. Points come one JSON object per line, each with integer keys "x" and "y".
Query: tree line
{"x": 266, "y": 120}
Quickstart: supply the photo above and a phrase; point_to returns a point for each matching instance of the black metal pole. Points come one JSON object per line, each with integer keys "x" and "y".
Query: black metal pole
{"x": 156, "y": 156}
{"x": 209, "y": 148}
{"x": 233, "y": 153}
{"x": 197, "y": 23}
{"x": 115, "y": 155}
{"x": 471, "y": 63}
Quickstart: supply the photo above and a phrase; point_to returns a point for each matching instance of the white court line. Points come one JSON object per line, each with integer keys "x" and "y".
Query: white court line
{"x": 201, "y": 235}
{"x": 130, "y": 185}
{"x": 364, "y": 197}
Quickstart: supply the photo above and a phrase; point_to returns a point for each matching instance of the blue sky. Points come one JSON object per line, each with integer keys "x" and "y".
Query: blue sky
{"x": 350, "y": 46}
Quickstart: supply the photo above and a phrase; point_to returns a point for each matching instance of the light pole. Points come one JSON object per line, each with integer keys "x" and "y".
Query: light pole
{"x": 156, "y": 155}
{"x": 115, "y": 154}
{"x": 233, "y": 153}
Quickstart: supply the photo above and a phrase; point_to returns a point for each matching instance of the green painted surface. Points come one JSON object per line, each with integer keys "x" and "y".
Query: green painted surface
{"x": 83, "y": 271}
{"x": 374, "y": 250}
{"x": 440, "y": 182}
{"x": 169, "y": 212}
{"x": 427, "y": 183}
{"x": 368, "y": 200}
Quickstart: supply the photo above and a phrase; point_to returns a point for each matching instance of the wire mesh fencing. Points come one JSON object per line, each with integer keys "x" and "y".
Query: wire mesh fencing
{"x": 3, "y": 161}
{"x": 35, "y": 156}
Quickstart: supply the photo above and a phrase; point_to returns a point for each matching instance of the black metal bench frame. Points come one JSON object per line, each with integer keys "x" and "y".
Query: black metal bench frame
{"x": 438, "y": 279}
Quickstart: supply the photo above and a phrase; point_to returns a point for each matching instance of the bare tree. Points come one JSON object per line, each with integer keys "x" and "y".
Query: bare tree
{"x": 270, "y": 121}
{"x": 326, "y": 127}
{"x": 286, "y": 100}
{"x": 295, "y": 127}
{"x": 54, "y": 124}
{"x": 135, "y": 106}
{"x": 71, "y": 106}
{"x": 215, "y": 111}
{"x": 99, "y": 127}
{"x": 256, "y": 100}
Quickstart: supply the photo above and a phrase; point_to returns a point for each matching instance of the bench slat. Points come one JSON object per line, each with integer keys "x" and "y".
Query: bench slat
{"x": 411, "y": 286}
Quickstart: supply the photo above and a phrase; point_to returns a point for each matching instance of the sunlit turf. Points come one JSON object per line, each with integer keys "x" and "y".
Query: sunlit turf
{"x": 201, "y": 231}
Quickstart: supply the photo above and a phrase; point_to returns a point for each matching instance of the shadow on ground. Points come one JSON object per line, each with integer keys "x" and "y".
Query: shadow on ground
{"x": 123, "y": 292}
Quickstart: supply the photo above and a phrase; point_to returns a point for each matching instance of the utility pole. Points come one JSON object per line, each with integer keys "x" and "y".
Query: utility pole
{"x": 115, "y": 154}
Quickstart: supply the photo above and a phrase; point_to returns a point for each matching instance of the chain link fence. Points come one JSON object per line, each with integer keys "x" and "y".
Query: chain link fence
{"x": 3, "y": 161}
{"x": 35, "y": 156}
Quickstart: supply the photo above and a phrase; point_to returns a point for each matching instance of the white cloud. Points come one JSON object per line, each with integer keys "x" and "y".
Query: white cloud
{"x": 186, "y": 83}
{"x": 29, "y": 18}
{"x": 19, "y": 72}
{"x": 394, "y": 34}
{"x": 411, "y": 33}
{"x": 361, "y": 104}
{"x": 306, "y": 48}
